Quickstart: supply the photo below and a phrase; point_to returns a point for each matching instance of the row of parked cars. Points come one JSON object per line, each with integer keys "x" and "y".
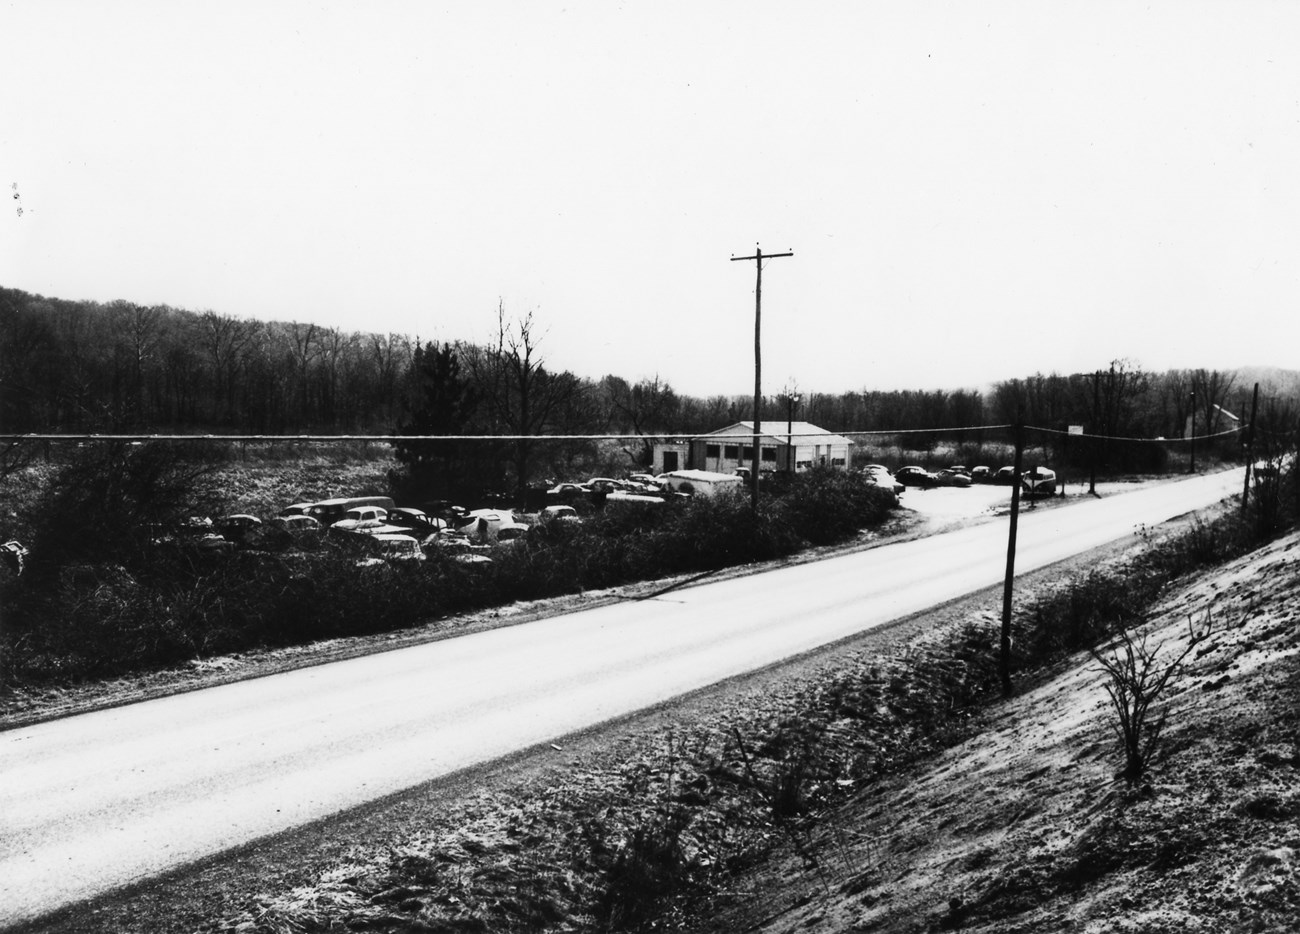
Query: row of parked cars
{"x": 383, "y": 531}
{"x": 1034, "y": 481}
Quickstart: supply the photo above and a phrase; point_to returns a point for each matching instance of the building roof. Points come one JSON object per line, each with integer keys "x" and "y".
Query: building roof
{"x": 774, "y": 432}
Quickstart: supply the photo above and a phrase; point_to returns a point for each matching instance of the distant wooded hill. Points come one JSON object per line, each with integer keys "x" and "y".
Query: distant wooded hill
{"x": 72, "y": 366}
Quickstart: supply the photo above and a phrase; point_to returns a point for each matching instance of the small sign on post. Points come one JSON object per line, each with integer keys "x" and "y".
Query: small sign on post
{"x": 1069, "y": 430}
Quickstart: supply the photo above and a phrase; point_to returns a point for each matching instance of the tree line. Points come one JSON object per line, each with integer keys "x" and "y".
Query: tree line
{"x": 120, "y": 367}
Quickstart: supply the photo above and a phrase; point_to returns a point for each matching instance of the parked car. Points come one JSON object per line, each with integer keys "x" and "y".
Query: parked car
{"x": 238, "y": 527}
{"x": 297, "y": 509}
{"x": 329, "y": 511}
{"x": 418, "y": 521}
{"x": 393, "y": 547}
{"x": 559, "y": 514}
{"x": 14, "y": 554}
{"x": 299, "y": 526}
{"x": 950, "y": 476}
{"x": 981, "y": 474}
{"x": 916, "y": 476}
{"x": 1038, "y": 481}
{"x": 483, "y": 525}
{"x": 603, "y": 484}
{"x": 361, "y": 518}
{"x": 567, "y": 490}
{"x": 455, "y": 546}
{"x": 213, "y": 544}
{"x": 471, "y": 558}
{"x": 1005, "y": 476}
{"x": 880, "y": 476}
{"x": 512, "y": 531}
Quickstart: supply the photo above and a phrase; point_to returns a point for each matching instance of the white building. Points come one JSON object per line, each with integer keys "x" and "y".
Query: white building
{"x": 783, "y": 446}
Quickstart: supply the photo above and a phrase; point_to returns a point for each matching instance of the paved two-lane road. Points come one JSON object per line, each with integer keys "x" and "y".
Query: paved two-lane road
{"x": 92, "y": 802}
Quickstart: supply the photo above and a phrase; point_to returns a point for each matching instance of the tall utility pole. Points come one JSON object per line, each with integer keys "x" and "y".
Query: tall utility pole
{"x": 1004, "y": 649}
{"x": 1250, "y": 445}
{"x": 1096, "y": 430}
{"x": 758, "y": 363}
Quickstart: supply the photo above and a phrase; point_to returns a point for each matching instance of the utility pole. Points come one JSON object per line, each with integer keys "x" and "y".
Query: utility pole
{"x": 758, "y": 363}
{"x": 1250, "y": 444}
{"x": 1092, "y": 446}
{"x": 1004, "y": 653}
{"x": 792, "y": 399}
{"x": 1192, "y": 432}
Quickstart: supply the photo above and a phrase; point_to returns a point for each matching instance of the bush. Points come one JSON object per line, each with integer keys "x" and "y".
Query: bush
{"x": 111, "y": 499}
{"x": 134, "y": 605}
{"x": 825, "y": 506}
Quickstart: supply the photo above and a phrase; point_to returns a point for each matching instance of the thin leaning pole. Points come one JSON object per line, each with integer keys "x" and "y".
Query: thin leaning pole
{"x": 758, "y": 364}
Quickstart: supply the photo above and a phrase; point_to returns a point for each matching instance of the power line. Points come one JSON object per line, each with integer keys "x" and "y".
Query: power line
{"x": 679, "y": 437}
{"x": 1057, "y": 431}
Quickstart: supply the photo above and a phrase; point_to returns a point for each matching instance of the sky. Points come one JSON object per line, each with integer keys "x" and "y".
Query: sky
{"x": 971, "y": 191}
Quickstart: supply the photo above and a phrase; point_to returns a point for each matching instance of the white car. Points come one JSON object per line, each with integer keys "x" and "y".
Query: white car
{"x": 393, "y": 547}
{"x": 880, "y": 476}
{"x": 482, "y": 525}
{"x": 1038, "y": 481}
{"x": 361, "y": 518}
{"x": 559, "y": 513}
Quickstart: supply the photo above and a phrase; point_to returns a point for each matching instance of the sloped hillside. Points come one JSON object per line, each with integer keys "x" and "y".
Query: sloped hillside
{"x": 1024, "y": 827}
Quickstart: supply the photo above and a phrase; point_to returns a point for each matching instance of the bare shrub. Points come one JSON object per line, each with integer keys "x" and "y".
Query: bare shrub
{"x": 1136, "y": 680}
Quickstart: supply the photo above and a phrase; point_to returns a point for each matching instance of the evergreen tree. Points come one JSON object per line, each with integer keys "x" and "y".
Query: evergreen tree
{"x": 442, "y": 405}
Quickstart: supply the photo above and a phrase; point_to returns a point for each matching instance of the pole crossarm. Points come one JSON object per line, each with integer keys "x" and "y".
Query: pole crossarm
{"x": 760, "y": 255}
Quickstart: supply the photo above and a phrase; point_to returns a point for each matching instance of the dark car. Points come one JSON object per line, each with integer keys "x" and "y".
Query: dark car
{"x": 952, "y": 477}
{"x": 419, "y": 522}
{"x": 916, "y": 476}
{"x": 1005, "y": 476}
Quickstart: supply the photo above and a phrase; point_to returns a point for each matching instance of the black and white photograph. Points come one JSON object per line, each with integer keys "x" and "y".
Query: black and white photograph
{"x": 566, "y": 466}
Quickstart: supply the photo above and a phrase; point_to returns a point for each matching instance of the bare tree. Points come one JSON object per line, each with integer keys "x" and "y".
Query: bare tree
{"x": 1212, "y": 388}
{"x": 225, "y": 339}
{"x": 649, "y": 406}
{"x": 137, "y": 331}
{"x": 304, "y": 347}
{"x": 523, "y": 396}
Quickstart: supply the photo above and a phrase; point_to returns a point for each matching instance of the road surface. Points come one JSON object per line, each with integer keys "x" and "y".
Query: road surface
{"x": 96, "y": 801}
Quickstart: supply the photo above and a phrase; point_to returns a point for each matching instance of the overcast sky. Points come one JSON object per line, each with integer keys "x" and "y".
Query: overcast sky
{"x": 972, "y": 191}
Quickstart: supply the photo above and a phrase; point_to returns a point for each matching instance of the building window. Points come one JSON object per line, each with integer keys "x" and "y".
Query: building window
{"x": 710, "y": 450}
{"x": 732, "y": 452}
{"x": 837, "y": 462}
{"x": 769, "y": 454}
